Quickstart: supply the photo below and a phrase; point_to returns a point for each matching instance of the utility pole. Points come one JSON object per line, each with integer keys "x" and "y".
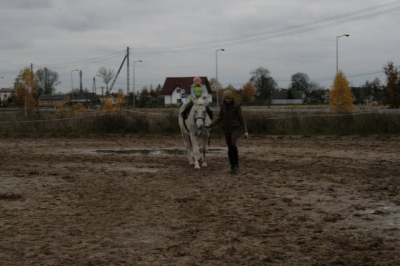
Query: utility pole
{"x": 127, "y": 70}
{"x": 80, "y": 76}
{"x": 216, "y": 72}
{"x": 94, "y": 85}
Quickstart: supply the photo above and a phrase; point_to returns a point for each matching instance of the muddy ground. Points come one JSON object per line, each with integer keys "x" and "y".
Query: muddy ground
{"x": 135, "y": 200}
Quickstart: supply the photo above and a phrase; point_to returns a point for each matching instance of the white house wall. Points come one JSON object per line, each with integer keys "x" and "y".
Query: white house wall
{"x": 287, "y": 101}
{"x": 176, "y": 98}
{"x": 4, "y": 95}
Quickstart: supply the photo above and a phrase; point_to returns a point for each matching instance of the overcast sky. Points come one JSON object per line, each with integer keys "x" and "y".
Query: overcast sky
{"x": 180, "y": 37}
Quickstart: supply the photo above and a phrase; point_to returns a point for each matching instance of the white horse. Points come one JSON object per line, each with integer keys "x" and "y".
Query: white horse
{"x": 194, "y": 132}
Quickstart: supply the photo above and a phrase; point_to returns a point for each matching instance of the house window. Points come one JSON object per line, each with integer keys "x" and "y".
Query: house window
{"x": 179, "y": 100}
{"x": 178, "y": 91}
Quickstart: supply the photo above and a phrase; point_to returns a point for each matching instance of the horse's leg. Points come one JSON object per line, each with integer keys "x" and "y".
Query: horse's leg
{"x": 188, "y": 149}
{"x": 204, "y": 138}
{"x": 195, "y": 151}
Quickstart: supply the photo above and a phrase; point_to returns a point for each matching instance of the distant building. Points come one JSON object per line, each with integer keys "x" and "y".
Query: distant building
{"x": 5, "y": 96}
{"x": 176, "y": 90}
{"x": 53, "y": 100}
{"x": 288, "y": 97}
{"x": 88, "y": 99}
{"x": 320, "y": 96}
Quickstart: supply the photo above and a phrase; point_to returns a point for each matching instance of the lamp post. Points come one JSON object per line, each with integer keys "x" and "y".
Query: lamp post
{"x": 72, "y": 82}
{"x": 133, "y": 89}
{"x": 216, "y": 73}
{"x": 337, "y": 53}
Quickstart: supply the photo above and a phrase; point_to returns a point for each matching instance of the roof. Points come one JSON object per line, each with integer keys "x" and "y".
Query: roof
{"x": 52, "y": 97}
{"x": 6, "y": 90}
{"x": 171, "y": 83}
{"x": 284, "y": 94}
{"x": 89, "y": 96}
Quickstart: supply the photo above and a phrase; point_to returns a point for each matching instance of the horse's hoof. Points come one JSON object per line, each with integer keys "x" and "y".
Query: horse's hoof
{"x": 197, "y": 167}
{"x": 204, "y": 164}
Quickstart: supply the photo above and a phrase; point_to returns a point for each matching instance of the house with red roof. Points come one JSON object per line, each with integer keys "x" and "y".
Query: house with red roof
{"x": 176, "y": 90}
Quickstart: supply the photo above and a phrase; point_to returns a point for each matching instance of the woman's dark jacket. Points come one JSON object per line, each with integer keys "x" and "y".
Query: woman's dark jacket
{"x": 231, "y": 117}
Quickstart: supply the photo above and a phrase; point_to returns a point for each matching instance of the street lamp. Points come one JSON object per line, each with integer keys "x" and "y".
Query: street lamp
{"x": 133, "y": 90}
{"x": 337, "y": 54}
{"x": 216, "y": 70}
{"x": 72, "y": 82}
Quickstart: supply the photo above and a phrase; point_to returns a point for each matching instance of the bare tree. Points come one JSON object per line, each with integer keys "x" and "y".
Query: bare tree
{"x": 300, "y": 82}
{"x": 47, "y": 80}
{"x": 106, "y": 74}
{"x": 391, "y": 92}
{"x": 264, "y": 84}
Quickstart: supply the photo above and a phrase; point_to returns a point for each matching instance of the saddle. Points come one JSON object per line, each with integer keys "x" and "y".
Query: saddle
{"x": 185, "y": 113}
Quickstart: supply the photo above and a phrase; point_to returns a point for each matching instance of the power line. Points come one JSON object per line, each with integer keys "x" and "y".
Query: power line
{"x": 353, "y": 16}
{"x": 291, "y": 30}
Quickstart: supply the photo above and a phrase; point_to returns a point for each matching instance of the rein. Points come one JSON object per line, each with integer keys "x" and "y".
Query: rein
{"x": 195, "y": 120}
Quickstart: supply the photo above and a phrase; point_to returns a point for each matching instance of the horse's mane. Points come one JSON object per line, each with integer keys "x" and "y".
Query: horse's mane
{"x": 200, "y": 102}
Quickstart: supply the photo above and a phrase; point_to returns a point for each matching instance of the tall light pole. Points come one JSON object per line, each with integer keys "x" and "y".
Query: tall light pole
{"x": 216, "y": 73}
{"x": 337, "y": 53}
{"x": 133, "y": 89}
{"x": 72, "y": 82}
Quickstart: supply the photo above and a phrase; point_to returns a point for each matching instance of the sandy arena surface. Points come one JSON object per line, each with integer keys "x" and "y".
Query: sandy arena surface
{"x": 135, "y": 200}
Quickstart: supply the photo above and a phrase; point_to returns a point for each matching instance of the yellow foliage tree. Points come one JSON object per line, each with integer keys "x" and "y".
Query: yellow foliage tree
{"x": 78, "y": 109}
{"x": 249, "y": 92}
{"x": 108, "y": 106}
{"x": 63, "y": 111}
{"x": 26, "y": 90}
{"x": 341, "y": 97}
{"x": 121, "y": 102}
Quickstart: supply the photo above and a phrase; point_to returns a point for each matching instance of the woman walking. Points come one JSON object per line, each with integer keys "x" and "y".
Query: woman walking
{"x": 233, "y": 124}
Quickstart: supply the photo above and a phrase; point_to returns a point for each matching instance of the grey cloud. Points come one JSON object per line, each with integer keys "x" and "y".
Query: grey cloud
{"x": 26, "y": 4}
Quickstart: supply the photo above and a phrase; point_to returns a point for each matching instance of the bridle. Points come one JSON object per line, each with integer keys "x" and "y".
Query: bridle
{"x": 201, "y": 117}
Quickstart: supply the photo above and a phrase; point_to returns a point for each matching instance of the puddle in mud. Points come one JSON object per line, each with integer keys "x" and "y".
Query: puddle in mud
{"x": 140, "y": 170}
{"x": 156, "y": 151}
{"x": 388, "y": 213}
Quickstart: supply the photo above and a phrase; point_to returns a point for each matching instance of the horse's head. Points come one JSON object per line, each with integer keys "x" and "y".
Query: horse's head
{"x": 200, "y": 113}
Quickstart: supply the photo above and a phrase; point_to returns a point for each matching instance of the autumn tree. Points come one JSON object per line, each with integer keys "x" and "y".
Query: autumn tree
{"x": 264, "y": 84}
{"x": 120, "y": 102}
{"x": 106, "y": 74}
{"x": 108, "y": 106}
{"x": 248, "y": 92}
{"x": 391, "y": 92}
{"x": 78, "y": 109}
{"x": 341, "y": 97}
{"x": 47, "y": 80}
{"x": 26, "y": 90}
